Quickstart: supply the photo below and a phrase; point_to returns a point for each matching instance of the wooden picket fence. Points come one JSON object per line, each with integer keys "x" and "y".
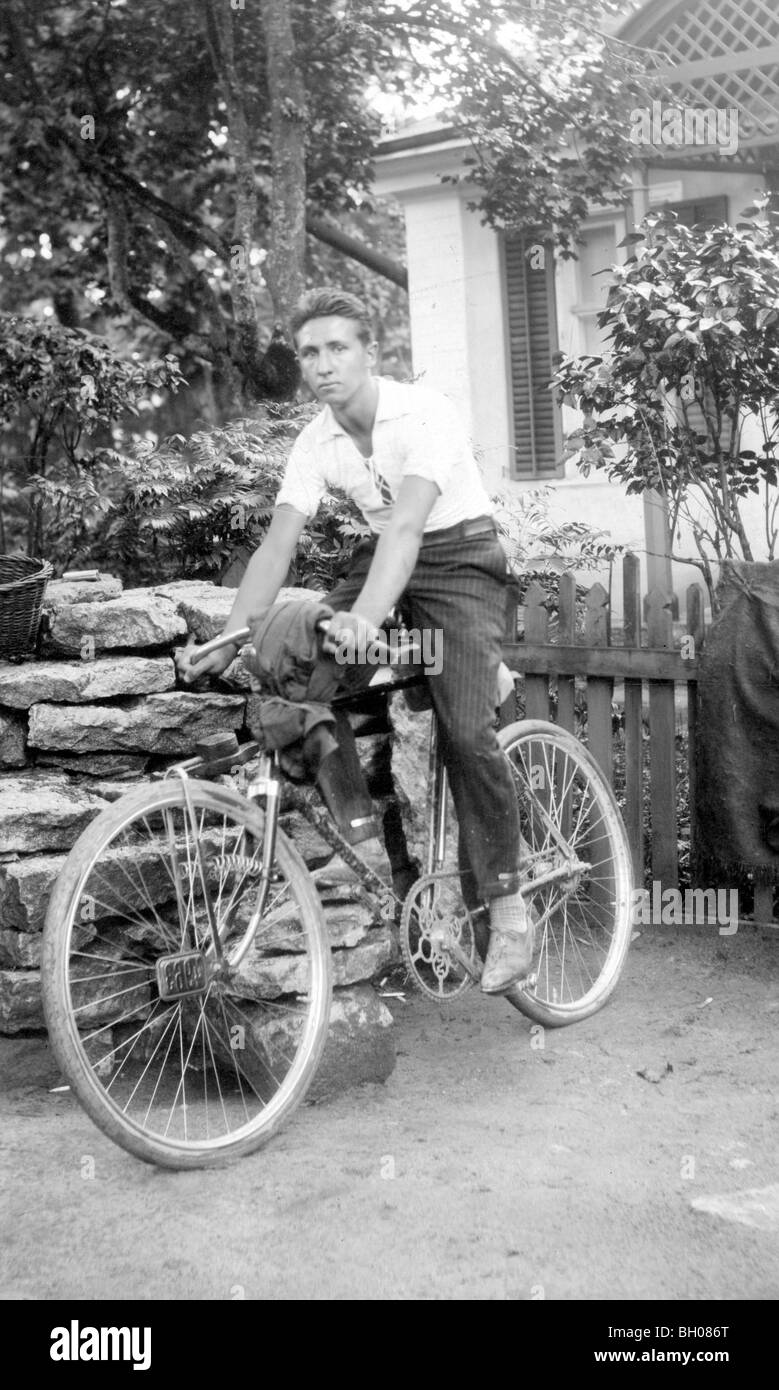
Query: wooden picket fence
{"x": 580, "y": 664}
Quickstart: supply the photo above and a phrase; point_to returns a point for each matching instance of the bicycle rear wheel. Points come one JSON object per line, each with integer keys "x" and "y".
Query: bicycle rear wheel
{"x": 571, "y": 834}
{"x": 188, "y": 1014}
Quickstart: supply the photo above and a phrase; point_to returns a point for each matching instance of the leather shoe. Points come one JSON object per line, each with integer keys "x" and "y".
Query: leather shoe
{"x": 509, "y": 958}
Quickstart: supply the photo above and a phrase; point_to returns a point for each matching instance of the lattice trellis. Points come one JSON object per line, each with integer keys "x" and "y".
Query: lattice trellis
{"x": 719, "y": 27}
{"x": 720, "y": 53}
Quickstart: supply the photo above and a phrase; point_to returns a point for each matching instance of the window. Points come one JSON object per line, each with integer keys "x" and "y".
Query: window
{"x": 532, "y": 332}
{"x": 595, "y": 255}
{"x": 705, "y": 212}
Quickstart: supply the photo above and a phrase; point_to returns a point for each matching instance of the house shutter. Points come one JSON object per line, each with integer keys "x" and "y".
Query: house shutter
{"x": 532, "y": 328}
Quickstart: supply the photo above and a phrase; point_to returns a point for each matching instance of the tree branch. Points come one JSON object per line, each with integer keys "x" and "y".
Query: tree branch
{"x": 172, "y": 322}
{"x": 356, "y": 250}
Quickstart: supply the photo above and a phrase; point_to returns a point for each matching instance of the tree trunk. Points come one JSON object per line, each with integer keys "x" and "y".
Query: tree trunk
{"x": 245, "y": 351}
{"x": 285, "y": 266}
{"x": 116, "y": 249}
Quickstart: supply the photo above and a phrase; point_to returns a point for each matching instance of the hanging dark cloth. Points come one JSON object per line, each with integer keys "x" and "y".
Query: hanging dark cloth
{"x": 737, "y": 762}
{"x": 294, "y": 677}
{"x": 295, "y": 718}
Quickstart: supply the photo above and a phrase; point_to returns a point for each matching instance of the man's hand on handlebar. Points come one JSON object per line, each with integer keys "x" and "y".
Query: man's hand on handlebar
{"x": 349, "y": 631}
{"x": 212, "y": 658}
{"x": 191, "y": 669}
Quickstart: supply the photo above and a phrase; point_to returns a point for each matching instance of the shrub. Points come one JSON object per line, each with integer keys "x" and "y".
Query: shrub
{"x": 693, "y": 318}
{"x": 541, "y": 549}
{"x": 61, "y": 391}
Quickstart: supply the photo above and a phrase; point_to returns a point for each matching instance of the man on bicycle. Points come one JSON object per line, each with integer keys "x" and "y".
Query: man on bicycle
{"x": 401, "y": 452}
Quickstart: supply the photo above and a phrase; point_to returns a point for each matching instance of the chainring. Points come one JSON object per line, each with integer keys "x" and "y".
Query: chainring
{"x": 434, "y": 919}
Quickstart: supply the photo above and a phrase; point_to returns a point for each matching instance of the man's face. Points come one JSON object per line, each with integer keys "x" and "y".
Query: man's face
{"x": 334, "y": 360}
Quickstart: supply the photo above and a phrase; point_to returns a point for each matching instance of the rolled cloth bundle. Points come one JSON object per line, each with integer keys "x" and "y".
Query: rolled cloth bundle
{"x": 295, "y": 679}
{"x": 294, "y": 717}
{"x": 737, "y": 760}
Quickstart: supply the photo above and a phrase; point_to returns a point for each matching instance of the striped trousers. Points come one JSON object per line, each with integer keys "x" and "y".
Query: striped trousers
{"x": 458, "y": 587}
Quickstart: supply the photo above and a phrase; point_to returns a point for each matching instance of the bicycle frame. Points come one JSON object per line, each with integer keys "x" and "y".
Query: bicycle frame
{"x": 266, "y": 784}
{"x": 437, "y": 787}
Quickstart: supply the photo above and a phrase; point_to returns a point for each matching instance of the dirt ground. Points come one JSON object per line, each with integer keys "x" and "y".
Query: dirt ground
{"x": 495, "y": 1163}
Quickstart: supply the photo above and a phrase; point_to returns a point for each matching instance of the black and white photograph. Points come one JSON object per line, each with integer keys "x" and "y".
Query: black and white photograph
{"x": 389, "y": 670}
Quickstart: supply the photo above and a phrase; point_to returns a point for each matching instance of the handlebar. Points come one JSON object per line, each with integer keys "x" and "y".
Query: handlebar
{"x": 241, "y": 635}
{"x": 236, "y": 638}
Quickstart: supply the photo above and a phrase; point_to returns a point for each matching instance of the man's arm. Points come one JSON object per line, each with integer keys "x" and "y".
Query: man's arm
{"x": 394, "y": 560}
{"x": 265, "y": 574}
{"x": 268, "y": 567}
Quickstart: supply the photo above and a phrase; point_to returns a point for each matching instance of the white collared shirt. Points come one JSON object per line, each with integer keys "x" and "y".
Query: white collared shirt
{"x": 416, "y": 431}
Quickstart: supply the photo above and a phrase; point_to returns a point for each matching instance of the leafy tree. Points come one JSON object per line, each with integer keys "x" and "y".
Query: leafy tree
{"x": 143, "y": 154}
{"x": 549, "y": 116}
{"x": 61, "y": 391}
{"x": 165, "y": 162}
{"x": 693, "y": 322}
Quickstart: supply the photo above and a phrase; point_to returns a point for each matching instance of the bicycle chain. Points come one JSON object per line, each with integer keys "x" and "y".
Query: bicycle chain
{"x": 321, "y": 822}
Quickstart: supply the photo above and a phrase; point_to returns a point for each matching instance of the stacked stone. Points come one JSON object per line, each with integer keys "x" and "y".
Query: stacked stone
{"x": 99, "y": 712}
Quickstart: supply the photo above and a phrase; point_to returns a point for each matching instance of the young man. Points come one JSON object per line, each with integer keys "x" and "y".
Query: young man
{"x": 402, "y": 454}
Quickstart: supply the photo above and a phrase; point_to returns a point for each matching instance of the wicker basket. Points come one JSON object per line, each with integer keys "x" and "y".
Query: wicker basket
{"x": 22, "y": 586}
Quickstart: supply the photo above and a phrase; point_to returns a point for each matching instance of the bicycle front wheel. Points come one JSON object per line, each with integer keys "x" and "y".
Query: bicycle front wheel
{"x": 575, "y": 866}
{"x": 186, "y": 1005}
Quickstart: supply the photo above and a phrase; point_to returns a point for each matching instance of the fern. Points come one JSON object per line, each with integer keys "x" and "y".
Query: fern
{"x": 188, "y": 508}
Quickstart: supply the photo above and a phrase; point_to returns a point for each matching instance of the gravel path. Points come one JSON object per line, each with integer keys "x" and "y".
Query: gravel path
{"x": 495, "y": 1163}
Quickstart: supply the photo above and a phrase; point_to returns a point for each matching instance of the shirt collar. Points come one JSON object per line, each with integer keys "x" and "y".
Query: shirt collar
{"x": 388, "y": 407}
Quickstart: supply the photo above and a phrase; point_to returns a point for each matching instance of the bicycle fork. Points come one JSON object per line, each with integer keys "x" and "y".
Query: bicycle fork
{"x": 263, "y": 784}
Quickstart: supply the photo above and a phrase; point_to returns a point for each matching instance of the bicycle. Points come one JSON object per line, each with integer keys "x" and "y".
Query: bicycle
{"x": 186, "y": 964}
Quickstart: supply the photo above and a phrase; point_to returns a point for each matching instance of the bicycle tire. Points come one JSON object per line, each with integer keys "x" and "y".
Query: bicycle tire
{"x": 134, "y": 915}
{"x": 586, "y": 925}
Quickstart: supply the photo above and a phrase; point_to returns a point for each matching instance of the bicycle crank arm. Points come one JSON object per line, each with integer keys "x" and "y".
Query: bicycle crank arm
{"x": 472, "y": 967}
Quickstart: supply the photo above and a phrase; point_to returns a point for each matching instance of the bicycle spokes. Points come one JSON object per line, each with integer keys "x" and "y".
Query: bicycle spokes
{"x": 574, "y": 868}
{"x": 196, "y": 983}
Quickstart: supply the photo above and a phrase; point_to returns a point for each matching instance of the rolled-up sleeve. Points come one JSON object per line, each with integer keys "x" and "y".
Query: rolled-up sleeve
{"x": 436, "y": 440}
{"x": 303, "y": 485}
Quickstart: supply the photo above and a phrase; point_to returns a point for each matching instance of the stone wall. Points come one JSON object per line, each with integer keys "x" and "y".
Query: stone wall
{"x": 94, "y": 714}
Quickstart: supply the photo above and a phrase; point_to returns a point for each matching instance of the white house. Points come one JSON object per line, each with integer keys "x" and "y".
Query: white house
{"x": 485, "y": 322}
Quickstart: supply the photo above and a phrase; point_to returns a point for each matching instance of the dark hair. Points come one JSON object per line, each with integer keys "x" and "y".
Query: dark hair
{"x": 325, "y": 303}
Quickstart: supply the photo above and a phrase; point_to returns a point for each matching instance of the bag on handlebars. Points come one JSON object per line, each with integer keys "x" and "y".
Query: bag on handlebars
{"x": 287, "y": 659}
